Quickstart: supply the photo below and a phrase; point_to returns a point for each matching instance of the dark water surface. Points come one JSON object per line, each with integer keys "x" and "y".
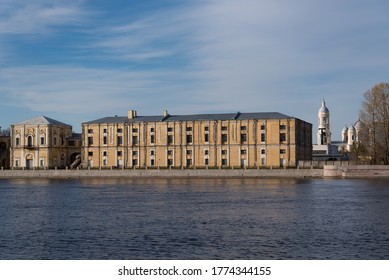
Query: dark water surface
{"x": 194, "y": 219}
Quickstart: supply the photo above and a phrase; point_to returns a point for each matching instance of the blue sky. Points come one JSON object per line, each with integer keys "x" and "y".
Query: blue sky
{"x": 80, "y": 60}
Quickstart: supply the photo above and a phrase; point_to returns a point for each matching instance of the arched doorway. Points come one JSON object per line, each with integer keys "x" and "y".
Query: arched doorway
{"x": 29, "y": 161}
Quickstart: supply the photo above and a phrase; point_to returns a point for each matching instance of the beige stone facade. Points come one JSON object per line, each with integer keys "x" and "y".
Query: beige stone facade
{"x": 4, "y": 149}
{"x": 237, "y": 140}
{"x": 43, "y": 143}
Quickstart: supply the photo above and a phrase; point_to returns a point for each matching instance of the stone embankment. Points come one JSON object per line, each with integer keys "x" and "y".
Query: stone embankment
{"x": 165, "y": 173}
{"x": 356, "y": 171}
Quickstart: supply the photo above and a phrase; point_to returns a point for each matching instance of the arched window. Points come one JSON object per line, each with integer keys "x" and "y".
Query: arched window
{"x": 30, "y": 141}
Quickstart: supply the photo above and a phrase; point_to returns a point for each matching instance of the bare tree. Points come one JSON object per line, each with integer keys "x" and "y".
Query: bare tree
{"x": 374, "y": 116}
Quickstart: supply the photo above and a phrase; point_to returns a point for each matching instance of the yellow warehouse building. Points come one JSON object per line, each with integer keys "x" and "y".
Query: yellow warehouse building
{"x": 232, "y": 140}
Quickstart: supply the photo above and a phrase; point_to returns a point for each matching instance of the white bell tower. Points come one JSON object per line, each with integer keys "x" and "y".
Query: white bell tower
{"x": 323, "y": 133}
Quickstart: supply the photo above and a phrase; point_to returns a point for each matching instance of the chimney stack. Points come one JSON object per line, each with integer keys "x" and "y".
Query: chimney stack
{"x": 132, "y": 114}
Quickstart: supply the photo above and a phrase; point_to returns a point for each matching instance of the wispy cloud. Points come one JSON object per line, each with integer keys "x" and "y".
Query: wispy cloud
{"x": 36, "y": 17}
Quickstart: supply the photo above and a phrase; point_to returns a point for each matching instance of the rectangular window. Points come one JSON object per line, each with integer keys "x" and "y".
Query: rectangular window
{"x": 224, "y": 162}
{"x": 152, "y": 152}
{"x": 188, "y": 162}
{"x": 17, "y": 140}
{"x": 152, "y": 162}
{"x": 189, "y": 139}
{"x": 206, "y": 161}
{"x": 120, "y": 130}
{"x": 90, "y": 140}
{"x": 224, "y": 138}
{"x": 105, "y": 162}
{"x": 120, "y": 153}
{"x": 170, "y": 152}
{"x": 169, "y": 162}
{"x": 134, "y": 140}
{"x": 105, "y": 153}
{"x": 134, "y": 153}
{"x": 263, "y": 152}
{"x": 282, "y": 127}
{"x": 263, "y": 137}
{"x": 206, "y": 152}
{"x": 224, "y": 128}
{"x": 105, "y": 140}
{"x": 206, "y": 137}
{"x": 243, "y": 137}
{"x": 263, "y": 161}
{"x": 152, "y": 129}
{"x": 243, "y": 152}
{"x": 104, "y": 130}
{"x": 263, "y": 127}
{"x": 42, "y": 162}
{"x": 224, "y": 152}
{"x": 169, "y": 139}
{"x": 206, "y": 128}
{"x": 189, "y": 128}
{"x": 134, "y": 162}
{"x": 152, "y": 139}
{"x": 169, "y": 129}
{"x": 42, "y": 140}
{"x": 282, "y": 137}
{"x": 188, "y": 152}
{"x": 90, "y": 130}
{"x": 243, "y": 127}
{"x": 90, "y": 154}
{"x": 134, "y": 130}
{"x": 55, "y": 141}
{"x": 282, "y": 151}
{"x": 120, "y": 140}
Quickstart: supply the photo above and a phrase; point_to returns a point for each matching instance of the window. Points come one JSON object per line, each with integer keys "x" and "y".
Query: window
{"x": 134, "y": 153}
{"x": 169, "y": 129}
{"x": 105, "y": 153}
{"x": 263, "y": 127}
{"x": 169, "y": 162}
{"x": 169, "y": 152}
{"x": 188, "y": 152}
{"x": 152, "y": 162}
{"x": 189, "y": 128}
{"x": 43, "y": 141}
{"x": 224, "y": 162}
{"x": 17, "y": 141}
{"x": 104, "y": 130}
{"x": 263, "y": 161}
{"x": 90, "y": 130}
{"x": 152, "y": 139}
{"x": 206, "y": 152}
{"x": 42, "y": 162}
{"x": 282, "y": 137}
{"x": 152, "y": 129}
{"x": 134, "y": 130}
{"x": 263, "y": 137}
{"x": 224, "y": 138}
{"x": 29, "y": 141}
{"x": 224, "y": 152}
{"x": 152, "y": 152}
{"x": 120, "y": 140}
{"x": 282, "y": 127}
{"x": 243, "y": 137}
{"x": 243, "y": 127}
{"x": 120, "y": 130}
{"x": 206, "y": 128}
{"x": 105, "y": 140}
{"x": 263, "y": 152}
{"x": 134, "y": 161}
{"x": 169, "y": 139}
{"x": 134, "y": 140}
{"x": 90, "y": 140}
{"x": 90, "y": 154}
{"x": 189, "y": 139}
{"x": 188, "y": 162}
{"x": 224, "y": 128}
{"x": 120, "y": 153}
{"x": 206, "y": 161}
{"x": 55, "y": 141}
{"x": 105, "y": 162}
{"x": 282, "y": 151}
{"x": 206, "y": 137}
{"x": 243, "y": 152}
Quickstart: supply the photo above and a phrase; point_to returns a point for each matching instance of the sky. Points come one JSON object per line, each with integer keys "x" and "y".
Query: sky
{"x": 76, "y": 61}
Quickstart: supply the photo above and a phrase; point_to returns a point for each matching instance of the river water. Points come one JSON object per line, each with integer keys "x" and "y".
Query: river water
{"x": 194, "y": 219}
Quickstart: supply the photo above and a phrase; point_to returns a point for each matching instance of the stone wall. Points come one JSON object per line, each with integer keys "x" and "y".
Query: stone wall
{"x": 165, "y": 173}
{"x": 356, "y": 171}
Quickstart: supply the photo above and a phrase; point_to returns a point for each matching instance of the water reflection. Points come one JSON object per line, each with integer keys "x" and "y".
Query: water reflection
{"x": 194, "y": 219}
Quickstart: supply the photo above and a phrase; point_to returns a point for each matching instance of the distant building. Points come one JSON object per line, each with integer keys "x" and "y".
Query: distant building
{"x": 4, "y": 148}
{"x": 196, "y": 141}
{"x": 325, "y": 150}
{"x": 351, "y": 135}
{"x": 43, "y": 143}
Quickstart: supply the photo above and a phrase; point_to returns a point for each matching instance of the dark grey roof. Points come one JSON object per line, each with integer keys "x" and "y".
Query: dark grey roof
{"x": 42, "y": 120}
{"x": 197, "y": 117}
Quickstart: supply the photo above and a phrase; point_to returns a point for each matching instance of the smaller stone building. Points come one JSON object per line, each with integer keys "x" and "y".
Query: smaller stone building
{"x": 44, "y": 143}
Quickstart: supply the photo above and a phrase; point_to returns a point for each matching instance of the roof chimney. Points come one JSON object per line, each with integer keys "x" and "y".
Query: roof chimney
{"x": 132, "y": 114}
{"x": 165, "y": 113}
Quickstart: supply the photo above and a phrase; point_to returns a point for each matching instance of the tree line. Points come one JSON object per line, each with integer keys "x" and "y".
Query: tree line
{"x": 373, "y": 140}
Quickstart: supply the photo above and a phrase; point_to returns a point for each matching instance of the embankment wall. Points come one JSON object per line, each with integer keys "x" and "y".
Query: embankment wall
{"x": 173, "y": 173}
{"x": 356, "y": 171}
